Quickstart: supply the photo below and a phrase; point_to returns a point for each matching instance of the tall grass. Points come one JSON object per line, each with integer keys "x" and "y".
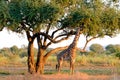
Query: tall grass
{"x": 14, "y": 60}
{"x": 3, "y": 60}
{"x": 98, "y": 60}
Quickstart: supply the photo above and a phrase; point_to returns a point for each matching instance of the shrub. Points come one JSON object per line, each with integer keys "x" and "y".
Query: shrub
{"x": 3, "y": 60}
{"x": 118, "y": 55}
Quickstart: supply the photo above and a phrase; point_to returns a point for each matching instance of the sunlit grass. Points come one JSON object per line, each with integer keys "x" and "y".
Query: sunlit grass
{"x": 99, "y": 60}
{"x": 91, "y": 65}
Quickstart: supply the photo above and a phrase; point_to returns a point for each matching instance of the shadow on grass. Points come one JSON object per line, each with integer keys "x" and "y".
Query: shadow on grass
{"x": 4, "y": 73}
{"x": 97, "y": 72}
{"x": 9, "y": 73}
{"x": 55, "y": 71}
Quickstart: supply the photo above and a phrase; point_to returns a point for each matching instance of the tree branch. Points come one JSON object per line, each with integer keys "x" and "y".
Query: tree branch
{"x": 1, "y": 28}
{"x": 54, "y": 51}
{"x": 87, "y": 41}
{"x": 39, "y": 41}
{"x": 28, "y": 36}
{"x": 62, "y": 39}
{"x": 65, "y": 38}
{"x": 66, "y": 34}
{"x": 55, "y": 32}
{"x": 47, "y": 31}
{"x": 54, "y": 40}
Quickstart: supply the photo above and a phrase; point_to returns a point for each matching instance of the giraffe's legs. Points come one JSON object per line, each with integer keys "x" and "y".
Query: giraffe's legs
{"x": 56, "y": 66}
{"x": 71, "y": 67}
{"x": 59, "y": 65}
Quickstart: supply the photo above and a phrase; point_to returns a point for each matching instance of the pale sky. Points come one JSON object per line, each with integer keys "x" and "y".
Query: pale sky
{"x": 8, "y": 39}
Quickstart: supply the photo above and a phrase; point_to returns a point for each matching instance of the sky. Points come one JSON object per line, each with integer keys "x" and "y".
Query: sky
{"x": 9, "y": 39}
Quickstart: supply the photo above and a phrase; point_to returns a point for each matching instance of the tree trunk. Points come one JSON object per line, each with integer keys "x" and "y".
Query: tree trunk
{"x": 31, "y": 64}
{"x": 83, "y": 50}
{"x": 40, "y": 61}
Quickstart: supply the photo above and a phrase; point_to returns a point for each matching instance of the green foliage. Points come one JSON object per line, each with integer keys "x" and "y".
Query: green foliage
{"x": 110, "y": 22}
{"x": 23, "y": 52}
{"x": 118, "y": 55}
{"x": 14, "y": 11}
{"x": 3, "y": 13}
{"x": 47, "y": 13}
{"x": 5, "y": 52}
{"x": 112, "y": 49}
{"x": 65, "y": 3}
{"x": 97, "y": 48}
{"x": 91, "y": 53}
{"x": 32, "y": 13}
{"x": 96, "y": 20}
{"x": 14, "y": 50}
{"x": 76, "y": 18}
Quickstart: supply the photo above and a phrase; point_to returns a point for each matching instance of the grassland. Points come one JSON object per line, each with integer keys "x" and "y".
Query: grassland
{"x": 98, "y": 67}
{"x": 81, "y": 73}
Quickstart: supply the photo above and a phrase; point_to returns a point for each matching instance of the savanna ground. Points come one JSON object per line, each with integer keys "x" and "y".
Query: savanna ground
{"x": 89, "y": 67}
{"x": 81, "y": 73}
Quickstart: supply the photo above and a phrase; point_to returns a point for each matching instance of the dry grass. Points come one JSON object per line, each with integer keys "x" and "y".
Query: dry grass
{"x": 82, "y": 73}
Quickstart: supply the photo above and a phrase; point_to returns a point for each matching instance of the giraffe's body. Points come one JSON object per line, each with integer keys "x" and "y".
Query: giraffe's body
{"x": 69, "y": 54}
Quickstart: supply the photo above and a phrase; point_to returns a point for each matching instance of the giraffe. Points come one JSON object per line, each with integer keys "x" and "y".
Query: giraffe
{"x": 69, "y": 53}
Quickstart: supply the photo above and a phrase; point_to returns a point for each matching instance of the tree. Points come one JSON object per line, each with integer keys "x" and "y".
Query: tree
{"x": 14, "y": 49}
{"x": 5, "y": 52}
{"x": 118, "y": 55}
{"x": 106, "y": 21}
{"x": 37, "y": 17}
{"x": 97, "y": 48}
{"x": 36, "y": 21}
{"x": 23, "y": 18}
{"x": 3, "y": 14}
{"x": 112, "y": 49}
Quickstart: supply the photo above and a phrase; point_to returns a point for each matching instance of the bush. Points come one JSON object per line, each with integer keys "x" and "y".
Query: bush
{"x": 15, "y": 59}
{"x": 82, "y": 60}
{"x": 23, "y": 54}
{"x": 91, "y": 53}
{"x": 97, "y": 48}
{"x": 3, "y": 60}
{"x": 118, "y": 55}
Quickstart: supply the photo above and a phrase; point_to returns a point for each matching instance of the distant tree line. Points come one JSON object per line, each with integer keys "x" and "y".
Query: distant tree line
{"x": 109, "y": 49}
{"x": 94, "y": 48}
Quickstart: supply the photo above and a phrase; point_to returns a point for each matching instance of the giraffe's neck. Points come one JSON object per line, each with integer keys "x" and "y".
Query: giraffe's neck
{"x": 75, "y": 41}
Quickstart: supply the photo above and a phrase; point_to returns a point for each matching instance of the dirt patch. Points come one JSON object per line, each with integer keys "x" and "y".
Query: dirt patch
{"x": 77, "y": 76}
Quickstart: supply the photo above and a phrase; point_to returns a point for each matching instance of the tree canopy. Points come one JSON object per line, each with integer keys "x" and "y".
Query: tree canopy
{"x": 97, "y": 48}
{"x": 4, "y": 15}
{"x": 112, "y": 48}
